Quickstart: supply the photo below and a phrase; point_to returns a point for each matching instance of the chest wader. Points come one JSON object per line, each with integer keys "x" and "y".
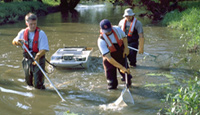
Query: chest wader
{"x": 111, "y": 71}
{"x": 133, "y": 42}
{"x": 33, "y": 75}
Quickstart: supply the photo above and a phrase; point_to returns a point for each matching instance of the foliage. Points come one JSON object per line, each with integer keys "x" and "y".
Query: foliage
{"x": 51, "y": 2}
{"x": 156, "y": 8}
{"x": 66, "y": 5}
{"x": 190, "y": 4}
{"x": 186, "y": 100}
{"x": 14, "y": 11}
{"x": 188, "y": 20}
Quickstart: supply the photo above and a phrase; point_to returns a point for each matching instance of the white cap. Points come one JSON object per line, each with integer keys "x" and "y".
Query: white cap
{"x": 128, "y": 12}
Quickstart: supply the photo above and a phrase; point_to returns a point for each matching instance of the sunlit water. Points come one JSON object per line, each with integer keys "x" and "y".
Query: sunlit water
{"x": 85, "y": 90}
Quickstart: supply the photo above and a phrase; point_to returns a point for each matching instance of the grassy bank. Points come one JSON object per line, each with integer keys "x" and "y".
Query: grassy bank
{"x": 186, "y": 100}
{"x": 187, "y": 20}
{"x": 15, "y": 11}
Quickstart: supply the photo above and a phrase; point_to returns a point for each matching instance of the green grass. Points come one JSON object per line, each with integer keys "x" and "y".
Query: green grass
{"x": 51, "y": 2}
{"x": 14, "y": 11}
{"x": 187, "y": 20}
{"x": 185, "y": 101}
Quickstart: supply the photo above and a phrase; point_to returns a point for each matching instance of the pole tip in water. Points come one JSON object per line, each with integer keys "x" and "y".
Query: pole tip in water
{"x": 63, "y": 100}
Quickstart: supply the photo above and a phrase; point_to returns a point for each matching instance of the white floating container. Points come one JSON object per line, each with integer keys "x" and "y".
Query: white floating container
{"x": 71, "y": 57}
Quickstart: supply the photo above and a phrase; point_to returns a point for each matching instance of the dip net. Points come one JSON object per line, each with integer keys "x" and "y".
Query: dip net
{"x": 159, "y": 60}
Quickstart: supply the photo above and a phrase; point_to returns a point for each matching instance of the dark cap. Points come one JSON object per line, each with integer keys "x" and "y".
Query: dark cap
{"x": 105, "y": 25}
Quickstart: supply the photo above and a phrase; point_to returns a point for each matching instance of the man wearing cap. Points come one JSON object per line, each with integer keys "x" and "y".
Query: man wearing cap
{"x": 134, "y": 31}
{"x": 113, "y": 45}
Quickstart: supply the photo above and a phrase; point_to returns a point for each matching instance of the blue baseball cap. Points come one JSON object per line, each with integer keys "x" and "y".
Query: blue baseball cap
{"x": 105, "y": 25}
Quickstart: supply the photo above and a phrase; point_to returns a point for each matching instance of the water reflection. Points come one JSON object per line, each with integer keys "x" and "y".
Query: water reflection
{"x": 70, "y": 16}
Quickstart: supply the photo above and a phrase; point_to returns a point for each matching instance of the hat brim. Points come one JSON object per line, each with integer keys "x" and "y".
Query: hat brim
{"x": 107, "y": 30}
{"x": 128, "y": 14}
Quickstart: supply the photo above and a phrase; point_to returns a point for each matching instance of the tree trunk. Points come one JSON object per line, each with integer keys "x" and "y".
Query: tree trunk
{"x": 64, "y": 5}
{"x": 73, "y": 4}
{"x": 40, "y": 1}
{"x": 8, "y": 1}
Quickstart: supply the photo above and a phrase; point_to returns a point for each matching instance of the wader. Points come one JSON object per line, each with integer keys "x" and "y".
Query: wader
{"x": 133, "y": 42}
{"x": 111, "y": 71}
{"x": 33, "y": 75}
{"x": 132, "y": 57}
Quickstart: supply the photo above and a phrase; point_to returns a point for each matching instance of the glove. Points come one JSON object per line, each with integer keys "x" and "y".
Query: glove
{"x": 125, "y": 71}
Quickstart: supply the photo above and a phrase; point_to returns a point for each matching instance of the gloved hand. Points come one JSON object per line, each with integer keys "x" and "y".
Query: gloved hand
{"x": 18, "y": 43}
{"x": 124, "y": 70}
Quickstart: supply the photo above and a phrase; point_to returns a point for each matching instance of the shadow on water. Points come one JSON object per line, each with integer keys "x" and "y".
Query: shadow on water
{"x": 72, "y": 15}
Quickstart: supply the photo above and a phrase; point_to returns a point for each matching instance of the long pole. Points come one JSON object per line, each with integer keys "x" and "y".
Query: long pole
{"x": 23, "y": 46}
{"x": 144, "y": 52}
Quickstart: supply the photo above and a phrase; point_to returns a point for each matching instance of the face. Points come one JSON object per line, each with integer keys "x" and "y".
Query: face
{"x": 108, "y": 33}
{"x": 129, "y": 18}
{"x": 32, "y": 24}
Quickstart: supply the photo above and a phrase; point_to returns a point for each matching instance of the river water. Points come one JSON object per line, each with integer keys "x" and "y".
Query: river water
{"x": 85, "y": 90}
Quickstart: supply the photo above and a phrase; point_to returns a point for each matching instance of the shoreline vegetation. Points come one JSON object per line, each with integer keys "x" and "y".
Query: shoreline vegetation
{"x": 187, "y": 98}
{"x": 14, "y": 11}
{"x": 187, "y": 20}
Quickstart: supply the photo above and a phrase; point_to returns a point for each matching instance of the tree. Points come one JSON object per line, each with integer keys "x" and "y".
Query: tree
{"x": 39, "y": 0}
{"x": 8, "y": 1}
{"x": 158, "y": 9}
{"x": 68, "y": 4}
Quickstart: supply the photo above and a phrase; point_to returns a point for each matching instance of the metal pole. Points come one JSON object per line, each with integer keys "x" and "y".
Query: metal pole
{"x": 23, "y": 46}
{"x": 144, "y": 52}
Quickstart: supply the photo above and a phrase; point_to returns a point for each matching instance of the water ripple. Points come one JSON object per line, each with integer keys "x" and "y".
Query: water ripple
{"x": 27, "y": 94}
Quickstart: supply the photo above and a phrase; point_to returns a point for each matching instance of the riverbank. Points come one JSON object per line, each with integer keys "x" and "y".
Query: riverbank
{"x": 186, "y": 99}
{"x": 15, "y": 11}
{"x": 187, "y": 20}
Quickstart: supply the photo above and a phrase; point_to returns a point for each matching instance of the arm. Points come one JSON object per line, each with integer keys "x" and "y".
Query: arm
{"x": 141, "y": 43}
{"x": 126, "y": 50}
{"x": 43, "y": 41}
{"x": 141, "y": 37}
{"x": 43, "y": 46}
{"x": 39, "y": 55}
{"x": 125, "y": 42}
{"x": 115, "y": 63}
{"x": 18, "y": 38}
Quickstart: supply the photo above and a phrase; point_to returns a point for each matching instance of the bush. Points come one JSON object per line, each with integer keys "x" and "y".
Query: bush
{"x": 187, "y": 20}
{"x": 14, "y": 11}
{"x": 186, "y": 101}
